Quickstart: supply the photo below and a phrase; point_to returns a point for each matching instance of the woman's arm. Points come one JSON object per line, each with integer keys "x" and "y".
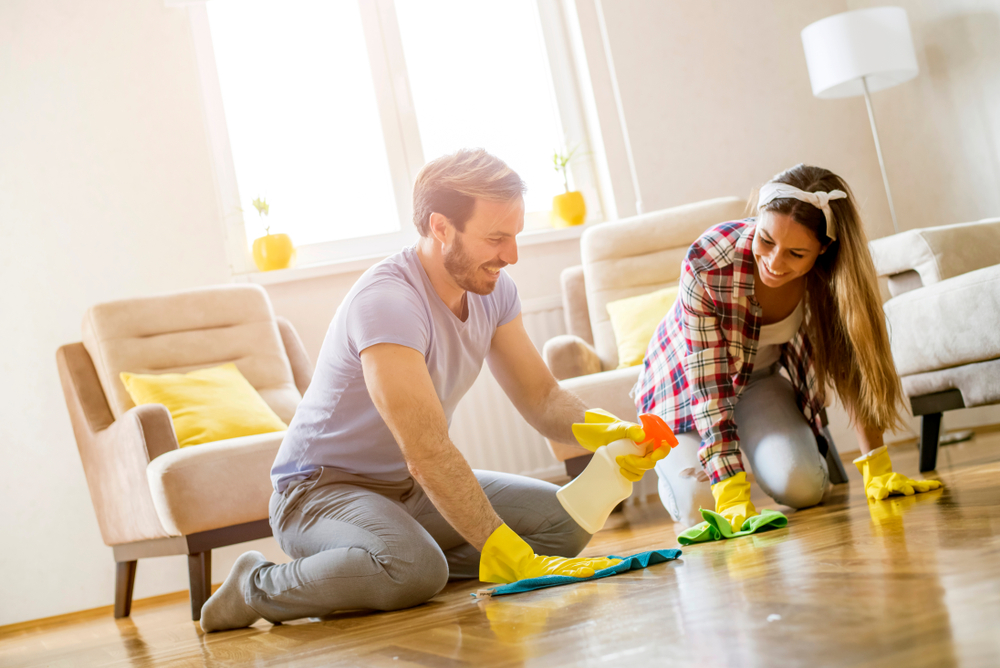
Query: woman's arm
{"x": 869, "y": 439}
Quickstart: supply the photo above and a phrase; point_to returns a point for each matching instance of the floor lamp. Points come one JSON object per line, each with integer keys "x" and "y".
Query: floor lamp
{"x": 858, "y": 53}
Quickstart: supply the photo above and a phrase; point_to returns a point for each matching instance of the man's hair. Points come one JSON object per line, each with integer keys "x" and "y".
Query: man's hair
{"x": 450, "y": 185}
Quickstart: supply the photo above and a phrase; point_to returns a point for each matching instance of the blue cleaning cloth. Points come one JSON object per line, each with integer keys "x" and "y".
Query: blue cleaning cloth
{"x": 633, "y": 563}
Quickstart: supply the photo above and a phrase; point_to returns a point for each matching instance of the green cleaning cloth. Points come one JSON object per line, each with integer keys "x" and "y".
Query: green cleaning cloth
{"x": 633, "y": 563}
{"x": 717, "y": 527}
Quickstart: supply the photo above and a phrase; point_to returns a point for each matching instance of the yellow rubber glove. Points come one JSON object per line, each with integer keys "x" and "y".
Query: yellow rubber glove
{"x": 732, "y": 500}
{"x": 880, "y": 481}
{"x": 601, "y": 427}
{"x": 507, "y": 558}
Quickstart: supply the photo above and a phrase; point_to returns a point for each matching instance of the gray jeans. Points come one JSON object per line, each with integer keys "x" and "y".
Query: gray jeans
{"x": 775, "y": 439}
{"x": 359, "y": 543}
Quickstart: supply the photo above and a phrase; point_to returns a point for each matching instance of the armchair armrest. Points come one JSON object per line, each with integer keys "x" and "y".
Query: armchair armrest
{"x": 114, "y": 453}
{"x": 302, "y": 367}
{"x": 936, "y": 253}
{"x": 569, "y": 356}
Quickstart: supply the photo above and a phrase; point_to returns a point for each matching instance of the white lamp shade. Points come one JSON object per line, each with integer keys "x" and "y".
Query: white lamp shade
{"x": 874, "y": 44}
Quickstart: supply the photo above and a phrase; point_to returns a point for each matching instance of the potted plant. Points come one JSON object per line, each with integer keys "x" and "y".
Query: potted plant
{"x": 271, "y": 251}
{"x": 568, "y": 208}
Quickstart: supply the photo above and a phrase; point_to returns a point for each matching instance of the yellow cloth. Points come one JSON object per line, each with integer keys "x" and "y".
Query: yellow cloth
{"x": 732, "y": 500}
{"x": 507, "y": 558}
{"x": 634, "y": 322}
{"x": 206, "y": 405}
{"x": 881, "y": 482}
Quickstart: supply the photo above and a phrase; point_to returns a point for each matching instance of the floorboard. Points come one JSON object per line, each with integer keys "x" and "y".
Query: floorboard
{"x": 908, "y": 582}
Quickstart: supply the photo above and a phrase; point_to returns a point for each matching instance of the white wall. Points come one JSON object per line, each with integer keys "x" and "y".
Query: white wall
{"x": 106, "y": 192}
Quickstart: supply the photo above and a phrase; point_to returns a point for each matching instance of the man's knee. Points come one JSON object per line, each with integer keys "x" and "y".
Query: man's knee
{"x": 405, "y": 585}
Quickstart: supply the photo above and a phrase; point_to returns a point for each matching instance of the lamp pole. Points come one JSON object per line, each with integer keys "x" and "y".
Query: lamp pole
{"x": 878, "y": 151}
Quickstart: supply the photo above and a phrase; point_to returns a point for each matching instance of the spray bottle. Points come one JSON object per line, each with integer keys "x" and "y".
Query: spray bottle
{"x": 590, "y": 497}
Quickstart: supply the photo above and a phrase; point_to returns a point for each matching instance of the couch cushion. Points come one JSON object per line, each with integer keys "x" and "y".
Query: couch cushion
{"x": 184, "y": 331}
{"x": 947, "y": 324}
{"x": 214, "y": 485}
{"x": 979, "y": 383}
{"x": 637, "y": 255}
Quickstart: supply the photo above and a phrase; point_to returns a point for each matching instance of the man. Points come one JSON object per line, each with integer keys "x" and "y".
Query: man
{"x": 373, "y": 501}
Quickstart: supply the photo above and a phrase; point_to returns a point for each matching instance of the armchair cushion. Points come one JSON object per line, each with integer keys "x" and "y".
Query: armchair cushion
{"x": 214, "y": 485}
{"x": 206, "y": 405}
{"x": 935, "y": 254}
{"x": 947, "y": 324}
{"x": 190, "y": 330}
{"x": 634, "y": 321}
{"x": 608, "y": 390}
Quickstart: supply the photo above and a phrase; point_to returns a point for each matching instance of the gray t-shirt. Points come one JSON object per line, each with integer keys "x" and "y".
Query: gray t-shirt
{"x": 336, "y": 425}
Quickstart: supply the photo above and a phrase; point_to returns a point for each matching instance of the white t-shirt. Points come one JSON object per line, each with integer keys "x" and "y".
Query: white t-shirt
{"x": 773, "y": 336}
{"x": 336, "y": 424}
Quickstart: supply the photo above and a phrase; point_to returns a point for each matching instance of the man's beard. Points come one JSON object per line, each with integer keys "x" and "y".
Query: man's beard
{"x": 465, "y": 272}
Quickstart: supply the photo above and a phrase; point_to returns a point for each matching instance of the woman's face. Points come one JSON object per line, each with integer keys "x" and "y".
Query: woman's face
{"x": 783, "y": 249}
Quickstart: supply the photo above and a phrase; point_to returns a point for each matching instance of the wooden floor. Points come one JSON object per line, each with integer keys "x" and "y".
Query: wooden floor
{"x": 909, "y": 582}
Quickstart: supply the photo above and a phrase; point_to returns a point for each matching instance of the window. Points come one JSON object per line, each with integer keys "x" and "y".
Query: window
{"x": 329, "y": 110}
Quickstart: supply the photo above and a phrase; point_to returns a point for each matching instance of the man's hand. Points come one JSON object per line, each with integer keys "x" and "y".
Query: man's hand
{"x": 507, "y": 558}
{"x": 601, "y": 427}
{"x": 402, "y": 391}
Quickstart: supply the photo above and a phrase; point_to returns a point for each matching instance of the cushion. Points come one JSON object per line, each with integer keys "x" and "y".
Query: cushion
{"x": 215, "y": 485}
{"x": 634, "y": 321}
{"x": 184, "y": 331}
{"x": 947, "y": 324}
{"x": 206, "y": 405}
{"x": 637, "y": 255}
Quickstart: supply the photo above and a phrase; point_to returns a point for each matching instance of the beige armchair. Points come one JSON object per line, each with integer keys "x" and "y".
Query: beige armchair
{"x": 152, "y": 498}
{"x": 944, "y": 319}
{"x": 622, "y": 259}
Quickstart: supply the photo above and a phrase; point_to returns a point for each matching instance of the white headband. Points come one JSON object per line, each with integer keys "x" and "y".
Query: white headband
{"x": 821, "y": 200}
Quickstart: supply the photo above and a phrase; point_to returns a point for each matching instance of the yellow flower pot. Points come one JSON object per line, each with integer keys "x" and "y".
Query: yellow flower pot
{"x": 568, "y": 209}
{"x": 274, "y": 251}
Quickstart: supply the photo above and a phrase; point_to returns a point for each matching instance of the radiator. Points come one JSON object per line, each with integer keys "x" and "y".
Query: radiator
{"x": 486, "y": 427}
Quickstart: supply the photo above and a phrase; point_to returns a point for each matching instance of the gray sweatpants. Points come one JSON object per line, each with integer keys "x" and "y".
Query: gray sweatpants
{"x": 359, "y": 543}
{"x": 774, "y": 437}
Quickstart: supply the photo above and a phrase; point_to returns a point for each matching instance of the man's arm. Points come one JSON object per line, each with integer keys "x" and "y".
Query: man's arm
{"x": 534, "y": 391}
{"x": 402, "y": 391}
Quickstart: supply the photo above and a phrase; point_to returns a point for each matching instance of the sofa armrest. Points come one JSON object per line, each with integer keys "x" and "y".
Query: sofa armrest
{"x": 936, "y": 253}
{"x": 114, "y": 453}
{"x": 608, "y": 390}
{"x": 569, "y": 356}
{"x": 302, "y": 366}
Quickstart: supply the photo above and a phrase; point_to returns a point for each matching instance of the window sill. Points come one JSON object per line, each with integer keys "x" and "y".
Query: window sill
{"x": 361, "y": 264}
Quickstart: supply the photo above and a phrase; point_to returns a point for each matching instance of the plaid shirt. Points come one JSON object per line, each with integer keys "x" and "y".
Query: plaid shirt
{"x": 702, "y": 353}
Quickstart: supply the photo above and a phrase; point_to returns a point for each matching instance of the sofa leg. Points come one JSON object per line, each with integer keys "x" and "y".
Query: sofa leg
{"x": 124, "y": 583}
{"x": 200, "y": 575}
{"x": 930, "y": 431}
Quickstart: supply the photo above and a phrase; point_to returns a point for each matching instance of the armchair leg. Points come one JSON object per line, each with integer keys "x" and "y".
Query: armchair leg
{"x": 838, "y": 474}
{"x": 200, "y": 576}
{"x": 124, "y": 583}
{"x": 930, "y": 430}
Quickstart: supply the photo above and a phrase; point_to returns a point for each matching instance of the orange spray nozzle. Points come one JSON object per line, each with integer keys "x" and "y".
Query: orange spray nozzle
{"x": 658, "y": 434}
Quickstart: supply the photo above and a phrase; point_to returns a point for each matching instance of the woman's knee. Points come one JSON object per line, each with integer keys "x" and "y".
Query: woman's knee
{"x": 800, "y": 486}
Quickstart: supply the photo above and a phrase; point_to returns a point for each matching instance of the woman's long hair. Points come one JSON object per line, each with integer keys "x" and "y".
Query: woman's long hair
{"x": 846, "y": 325}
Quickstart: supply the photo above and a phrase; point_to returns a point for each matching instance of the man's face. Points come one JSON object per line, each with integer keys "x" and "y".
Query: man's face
{"x": 783, "y": 249}
{"x": 476, "y": 256}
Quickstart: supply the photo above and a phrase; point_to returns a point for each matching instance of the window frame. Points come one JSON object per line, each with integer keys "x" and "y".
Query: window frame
{"x": 399, "y": 129}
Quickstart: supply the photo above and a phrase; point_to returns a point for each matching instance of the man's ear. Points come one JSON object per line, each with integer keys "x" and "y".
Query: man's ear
{"x": 441, "y": 228}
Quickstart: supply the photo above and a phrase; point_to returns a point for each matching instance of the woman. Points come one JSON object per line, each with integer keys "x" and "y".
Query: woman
{"x": 793, "y": 289}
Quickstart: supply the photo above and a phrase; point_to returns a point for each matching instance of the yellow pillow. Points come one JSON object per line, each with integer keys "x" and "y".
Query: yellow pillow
{"x": 634, "y": 322}
{"x": 206, "y": 405}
